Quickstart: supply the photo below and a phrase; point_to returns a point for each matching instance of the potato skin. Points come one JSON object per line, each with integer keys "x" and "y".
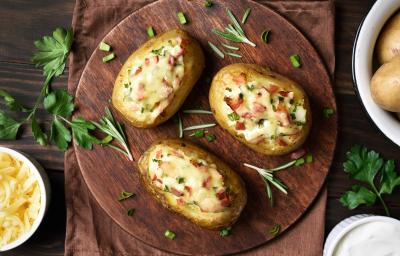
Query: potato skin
{"x": 194, "y": 63}
{"x": 388, "y": 45}
{"x": 385, "y": 85}
{"x": 216, "y": 98}
{"x": 208, "y": 220}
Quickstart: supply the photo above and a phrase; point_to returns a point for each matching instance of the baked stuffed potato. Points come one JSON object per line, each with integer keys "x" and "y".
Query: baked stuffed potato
{"x": 192, "y": 182}
{"x": 155, "y": 80}
{"x": 266, "y": 111}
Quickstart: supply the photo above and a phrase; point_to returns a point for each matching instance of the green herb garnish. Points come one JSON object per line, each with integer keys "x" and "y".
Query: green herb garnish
{"x": 328, "y": 112}
{"x": 180, "y": 126}
{"x": 363, "y": 165}
{"x": 225, "y": 232}
{"x": 130, "y": 211}
{"x": 198, "y": 134}
{"x": 182, "y": 18}
{"x": 246, "y": 15}
{"x": 108, "y": 57}
{"x": 197, "y": 111}
{"x": 309, "y": 158}
{"x": 150, "y": 32}
{"x": 180, "y": 180}
{"x": 104, "y": 47}
{"x": 210, "y": 137}
{"x": 300, "y": 161}
{"x": 169, "y": 234}
{"x": 159, "y": 51}
{"x": 233, "y": 116}
{"x": 295, "y": 60}
{"x": 230, "y": 47}
{"x": 125, "y": 195}
{"x": 216, "y": 50}
{"x": 275, "y": 230}
{"x": 233, "y": 54}
{"x": 208, "y": 3}
{"x": 201, "y": 126}
{"x": 265, "y": 36}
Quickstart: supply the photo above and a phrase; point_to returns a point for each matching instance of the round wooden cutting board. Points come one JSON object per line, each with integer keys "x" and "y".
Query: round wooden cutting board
{"x": 108, "y": 173}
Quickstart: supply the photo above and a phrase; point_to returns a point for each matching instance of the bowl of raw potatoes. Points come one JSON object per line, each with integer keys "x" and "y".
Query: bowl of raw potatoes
{"x": 24, "y": 197}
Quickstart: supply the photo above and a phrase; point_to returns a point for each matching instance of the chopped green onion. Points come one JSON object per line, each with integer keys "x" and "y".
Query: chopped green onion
{"x": 131, "y": 211}
{"x": 108, "y": 58}
{"x": 328, "y": 112}
{"x": 180, "y": 180}
{"x": 275, "y": 230}
{"x": 150, "y": 32}
{"x": 197, "y": 111}
{"x": 225, "y": 232}
{"x": 210, "y": 137}
{"x": 125, "y": 195}
{"x": 265, "y": 36}
{"x": 216, "y": 50}
{"x": 246, "y": 15}
{"x": 169, "y": 234}
{"x": 181, "y": 17}
{"x": 208, "y": 3}
{"x": 201, "y": 126}
{"x": 234, "y": 54}
{"x": 309, "y": 158}
{"x": 230, "y": 47}
{"x": 180, "y": 126}
{"x": 295, "y": 59}
{"x": 300, "y": 161}
{"x": 233, "y": 116}
{"x": 198, "y": 134}
{"x": 104, "y": 47}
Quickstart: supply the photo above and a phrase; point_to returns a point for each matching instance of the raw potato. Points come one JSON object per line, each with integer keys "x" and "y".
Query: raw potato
{"x": 388, "y": 45}
{"x": 156, "y": 78}
{"x": 385, "y": 86}
{"x": 190, "y": 178}
{"x": 257, "y": 106}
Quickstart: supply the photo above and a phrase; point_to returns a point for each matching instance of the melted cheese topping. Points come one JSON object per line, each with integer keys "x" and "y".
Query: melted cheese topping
{"x": 152, "y": 81}
{"x": 19, "y": 199}
{"x": 261, "y": 112}
{"x": 190, "y": 181}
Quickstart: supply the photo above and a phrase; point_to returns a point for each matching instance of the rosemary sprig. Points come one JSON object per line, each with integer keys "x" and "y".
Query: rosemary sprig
{"x": 233, "y": 32}
{"x": 201, "y": 126}
{"x": 180, "y": 126}
{"x": 109, "y": 126}
{"x": 275, "y": 230}
{"x": 216, "y": 50}
{"x": 246, "y": 15}
{"x": 197, "y": 111}
{"x": 234, "y": 54}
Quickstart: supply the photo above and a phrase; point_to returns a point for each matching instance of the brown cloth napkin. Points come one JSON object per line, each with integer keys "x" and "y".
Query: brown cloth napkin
{"x": 90, "y": 231}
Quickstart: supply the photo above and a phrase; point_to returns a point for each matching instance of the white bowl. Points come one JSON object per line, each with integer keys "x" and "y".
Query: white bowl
{"x": 346, "y": 225}
{"x": 362, "y": 65}
{"x": 44, "y": 186}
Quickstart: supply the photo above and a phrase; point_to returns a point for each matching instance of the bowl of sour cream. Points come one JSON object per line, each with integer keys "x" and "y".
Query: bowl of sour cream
{"x": 364, "y": 235}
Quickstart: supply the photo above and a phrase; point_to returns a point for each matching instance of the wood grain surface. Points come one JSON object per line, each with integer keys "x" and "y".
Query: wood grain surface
{"x": 32, "y": 19}
{"x": 107, "y": 173}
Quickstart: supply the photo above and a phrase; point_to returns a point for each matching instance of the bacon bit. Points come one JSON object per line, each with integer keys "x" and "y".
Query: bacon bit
{"x": 184, "y": 42}
{"x": 298, "y": 153}
{"x": 224, "y": 198}
{"x": 147, "y": 61}
{"x": 281, "y": 108}
{"x": 171, "y": 60}
{"x": 240, "y": 126}
{"x": 233, "y": 104}
{"x": 272, "y": 89}
{"x": 258, "y": 108}
{"x": 247, "y": 115}
{"x": 137, "y": 71}
{"x": 188, "y": 189}
{"x": 284, "y": 94}
{"x": 140, "y": 92}
{"x": 158, "y": 154}
{"x": 156, "y": 58}
{"x": 281, "y": 142}
{"x": 180, "y": 201}
{"x": 195, "y": 163}
{"x": 154, "y": 178}
{"x": 176, "y": 192}
{"x": 240, "y": 79}
{"x": 206, "y": 182}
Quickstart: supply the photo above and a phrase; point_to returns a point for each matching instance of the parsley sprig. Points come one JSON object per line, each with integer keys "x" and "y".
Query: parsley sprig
{"x": 364, "y": 165}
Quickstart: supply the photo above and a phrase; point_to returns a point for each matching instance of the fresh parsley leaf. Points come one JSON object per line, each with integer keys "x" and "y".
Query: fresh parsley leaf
{"x": 8, "y": 126}
{"x": 389, "y": 178}
{"x": 52, "y": 51}
{"x": 80, "y": 130}
{"x": 38, "y": 134}
{"x": 225, "y": 232}
{"x": 357, "y": 196}
{"x": 60, "y": 135}
{"x": 11, "y": 102}
{"x": 59, "y": 103}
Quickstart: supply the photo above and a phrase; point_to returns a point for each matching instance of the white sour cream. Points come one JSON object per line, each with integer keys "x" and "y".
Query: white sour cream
{"x": 375, "y": 238}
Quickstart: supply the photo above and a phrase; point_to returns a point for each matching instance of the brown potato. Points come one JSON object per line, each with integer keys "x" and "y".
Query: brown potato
{"x": 156, "y": 79}
{"x": 193, "y": 183}
{"x": 264, "y": 110}
{"x": 388, "y": 45}
{"x": 385, "y": 86}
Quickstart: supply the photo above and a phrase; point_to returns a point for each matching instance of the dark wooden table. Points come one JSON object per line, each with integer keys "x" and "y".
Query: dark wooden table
{"x": 23, "y": 21}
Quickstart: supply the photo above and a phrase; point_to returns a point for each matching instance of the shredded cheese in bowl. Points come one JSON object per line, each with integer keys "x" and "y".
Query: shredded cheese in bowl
{"x": 20, "y": 199}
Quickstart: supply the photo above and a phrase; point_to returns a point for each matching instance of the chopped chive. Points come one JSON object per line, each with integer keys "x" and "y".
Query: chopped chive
{"x": 180, "y": 126}
{"x": 225, "y": 232}
{"x": 150, "y": 32}
{"x": 328, "y": 112}
{"x": 300, "y": 161}
{"x": 130, "y": 211}
{"x": 246, "y": 15}
{"x": 233, "y": 116}
{"x": 208, "y": 3}
{"x": 180, "y": 180}
{"x": 125, "y": 195}
{"x": 181, "y": 17}
{"x": 104, "y": 47}
{"x": 197, "y": 111}
{"x": 230, "y": 47}
{"x": 210, "y": 137}
{"x": 198, "y": 134}
{"x": 234, "y": 54}
{"x": 201, "y": 126}
{"x": 216, "y": 50}
{"x": 309, "y": 158}
{"x": 295, "y": 59}
{"x": 108, "y": 58}
{"x": 275, "y": 230}
{"x": 169, "y": 234}
{"x": 265, "y": 36}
